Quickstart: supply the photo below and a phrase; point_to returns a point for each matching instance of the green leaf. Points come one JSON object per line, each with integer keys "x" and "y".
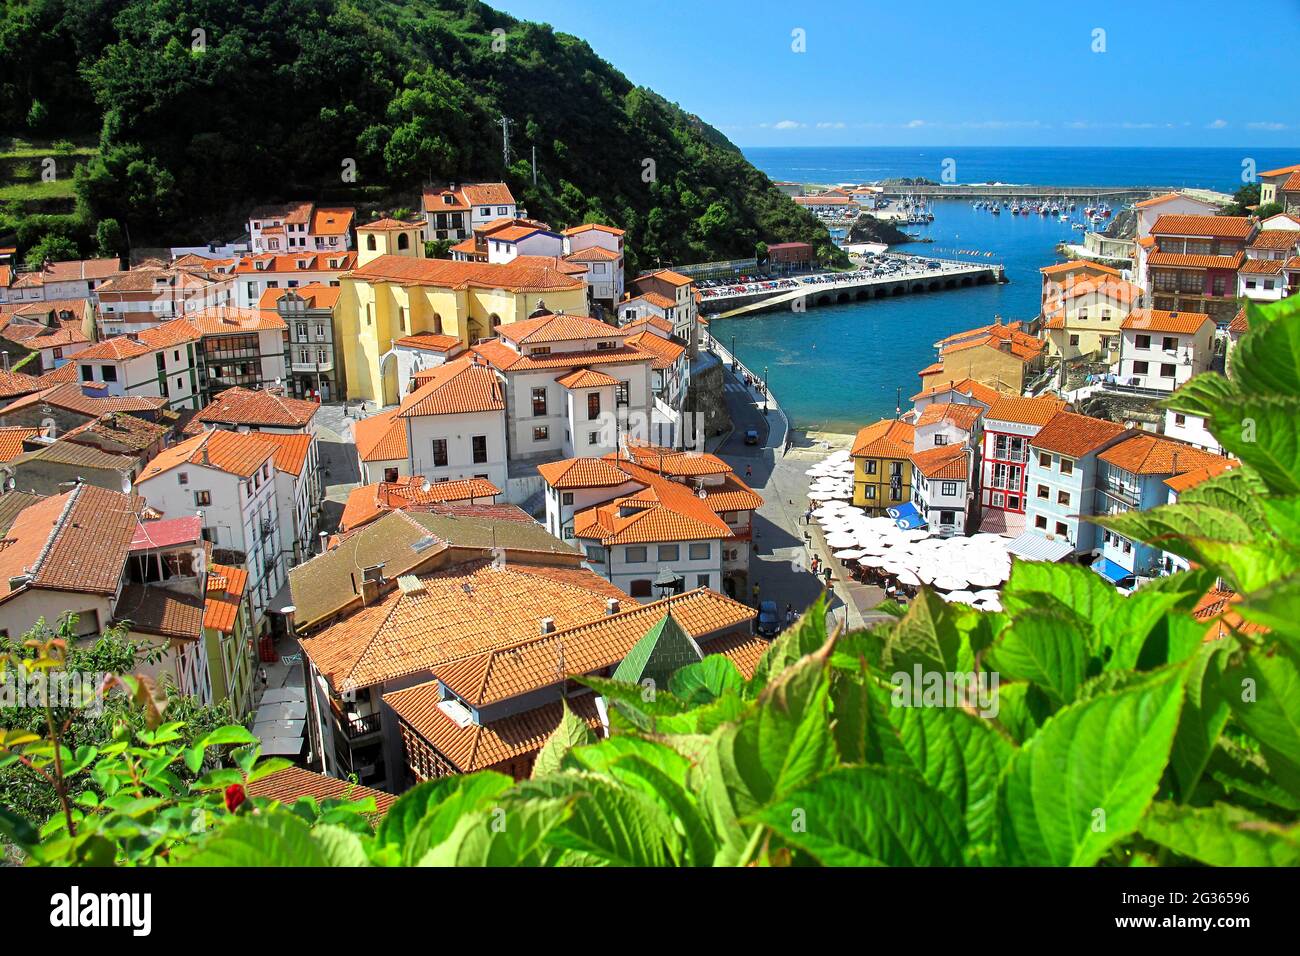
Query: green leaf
{"x": 617, "y": 825}
{"x": 869, "y": 816}
{"x": 1263, "y": 690}
{"x": 1200, "y": 395}
{"x": 1221, "y": 835}
{"x": 793, "y": 644}
{"x": 1040, "y": 584}
{"x": 1045, "y": 647}
{"x": 1263, "y": 433}
{"x": 1247, "y": 567}
{"x": 706, "y": 680}
{"x": 16, "y": 829}
{"x": 1204, "y": 715}
{"x": 1277, "y": 607}
{"x": 501, "y": 837}
{"x": 229, "y": 734}
{"x": 571, "y": 732}
{"x": 1267, "y": 359}
{"x": 339, "y": 846}
{"x": 269, "y": 839}
{"x": 1022, "y": 709}
{"x": 927, "y": 635}
{"x": 959, "y": 755}
{"x": 1083, "y": 782}
{"x": 426, "y": 814}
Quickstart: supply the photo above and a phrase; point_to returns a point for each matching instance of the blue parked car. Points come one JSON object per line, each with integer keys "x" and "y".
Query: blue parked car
{"x": 769, "y": 619}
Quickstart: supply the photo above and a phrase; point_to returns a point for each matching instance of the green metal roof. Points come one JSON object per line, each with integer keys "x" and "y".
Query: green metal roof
{"x": 657, "y": 656}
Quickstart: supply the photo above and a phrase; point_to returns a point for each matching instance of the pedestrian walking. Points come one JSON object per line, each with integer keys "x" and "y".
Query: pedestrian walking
{"x": 755, "y": 595}
{"x": 749, "y": 472}
{"x": 828, "y": 577}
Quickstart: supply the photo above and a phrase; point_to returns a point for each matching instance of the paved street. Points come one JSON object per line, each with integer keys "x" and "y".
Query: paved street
{"x": 783, "y": 543}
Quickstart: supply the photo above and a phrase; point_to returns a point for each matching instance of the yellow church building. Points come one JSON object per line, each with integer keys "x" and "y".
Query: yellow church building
{"x": 395, "y": 292}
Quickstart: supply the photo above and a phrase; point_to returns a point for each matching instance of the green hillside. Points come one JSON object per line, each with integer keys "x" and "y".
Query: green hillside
{"x": 204, "y": 107}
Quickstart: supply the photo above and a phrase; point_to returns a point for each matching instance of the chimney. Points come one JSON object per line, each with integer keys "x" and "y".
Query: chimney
{"x": 203, "y": 454}
{"x": 612, "y": 606}
{"x": 546, "y": 625}
{"x": 1005, "y": 346}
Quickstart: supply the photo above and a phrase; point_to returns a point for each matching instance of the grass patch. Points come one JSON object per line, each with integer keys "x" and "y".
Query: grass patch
{"x": 37, "y": 191}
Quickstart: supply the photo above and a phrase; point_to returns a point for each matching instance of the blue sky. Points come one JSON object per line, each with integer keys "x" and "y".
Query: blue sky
{"x": 1011, "y": 72}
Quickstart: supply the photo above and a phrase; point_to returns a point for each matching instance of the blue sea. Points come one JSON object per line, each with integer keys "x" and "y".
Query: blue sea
{"x": 839, "y": 367}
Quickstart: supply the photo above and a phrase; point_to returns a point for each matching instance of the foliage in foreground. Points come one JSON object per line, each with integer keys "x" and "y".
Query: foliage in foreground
{"x": 1118, "y": 734}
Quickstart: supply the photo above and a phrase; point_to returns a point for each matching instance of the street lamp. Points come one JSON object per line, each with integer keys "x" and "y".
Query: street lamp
{"x": 666, "y": 582}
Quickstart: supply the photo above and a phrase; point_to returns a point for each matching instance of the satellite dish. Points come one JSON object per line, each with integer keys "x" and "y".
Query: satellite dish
{"x": 126, "y": 483}
{"x": 9, "y": 483}
{"x": 425, "y": 486}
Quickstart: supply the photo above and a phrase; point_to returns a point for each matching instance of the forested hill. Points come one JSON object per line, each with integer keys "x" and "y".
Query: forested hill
{"x": 204, "y": 107}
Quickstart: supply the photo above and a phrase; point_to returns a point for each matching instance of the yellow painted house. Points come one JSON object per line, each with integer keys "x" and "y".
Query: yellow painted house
{"x": 395, "y": 292}
{"x": 882, "y": 471}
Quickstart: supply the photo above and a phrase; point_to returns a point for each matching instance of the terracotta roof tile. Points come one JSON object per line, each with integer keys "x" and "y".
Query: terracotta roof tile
{"x": 1262, "y": 267}
{"x": 1186, "y": 261}
{"x": 947, "y": 462}
{"x": 73, "y": 397}
{"x": 368, "y": 502}
{"x": 1146, "y": 454}
{"x": 559, "y": 327}
{"x": 431, "y": 341}
{"x": 459, "y": 387}
{"x": 1276, "y": 239}
{"x": 887, "y": 438}
{"x": 236, "y": 453}
{"x": 507, "y": 359}
{"x": 582, "y": 473}
{"x": 381, "y": 437}
{"x": 1024, "y": 411}
{"x": 290, "y": 450}
{"x": 257, "y": 408}
{"x": 1073, "y": 435}
{"x": 292, "y": 783}
{"x": 447, "y": 273}
{"x": 585, "y": 378}
{"x": 225, "y": 593}
{"x": 1239, "y": 325}
{"x": 151, "y": 609}
{"x": 666, "y": 352}
{"x": 964, "y": 417}
{"x": 1224, "y": 227}
{"x": 1191, "y": 479}
{"x": 12, "y": 438}
{"x": 968, "y": 387}
{"x": 1158, "y": 320}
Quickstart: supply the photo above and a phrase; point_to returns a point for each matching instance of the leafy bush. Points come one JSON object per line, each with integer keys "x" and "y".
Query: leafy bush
{"x": 1119, "y": 735}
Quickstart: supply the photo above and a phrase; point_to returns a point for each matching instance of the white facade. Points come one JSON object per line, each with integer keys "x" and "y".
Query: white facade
{"x": 942, "y": 502}
{"x": 1164, "y": 360}
{"x": 238, "y": 515}
{"x": 1191, "y": 429}
{"x": 539, "y": 242}
{"x": 632, "y": 566}
{"x": 169, "y": 373}
{"x": 253, "y": 276}
{"x": 450, "y": 447}
{"x": 1176, "y": 204}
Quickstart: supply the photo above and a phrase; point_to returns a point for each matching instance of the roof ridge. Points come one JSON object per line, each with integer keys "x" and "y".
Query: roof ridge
{"x": 73, "y": 496}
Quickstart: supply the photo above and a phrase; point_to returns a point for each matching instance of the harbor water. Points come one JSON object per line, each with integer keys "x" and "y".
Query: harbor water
{"x": 836, "y": 368}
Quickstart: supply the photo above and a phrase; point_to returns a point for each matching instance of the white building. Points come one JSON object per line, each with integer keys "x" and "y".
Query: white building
{"x": 253, "y": 275}
{"x": 943, "y": 487}
{"x": 1169, "y": 204}
{"x": 300, "y": 227}
{"x": 1062, "y": 476}
{"x": 298, "y": 491}
{"x": 77, "y": 279}
{"x": 600, "y": 249}
{"x": 158, "y": 362}
{"x": 228, "y": 479}
{"x": 455, "y": 212}
{"x": 153, "y": 293}
{"x": 1162, "y": 350}
{"x": 1262, "y": 280}
{"x": 456, "y": 424}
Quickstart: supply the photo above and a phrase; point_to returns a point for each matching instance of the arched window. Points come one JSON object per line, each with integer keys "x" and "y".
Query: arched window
{"x": 403, "y": 240}
{"x": 370, "y": 243}
{"x": 496, "y": 320}
{"x": 437, "y": 323}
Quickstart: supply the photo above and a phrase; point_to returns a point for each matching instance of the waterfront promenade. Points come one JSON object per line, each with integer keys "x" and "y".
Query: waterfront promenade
{"x": 917, "y": 274}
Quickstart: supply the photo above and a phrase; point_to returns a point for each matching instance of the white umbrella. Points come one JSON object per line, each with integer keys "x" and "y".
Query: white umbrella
{"x": 873, "y": 560}
{"x": 986, "y": 595}
{"x": 916, "y": 534}
{"x": 909, "y": 578}
{"x": 848, "y": 554}
{"x": 949, "y": 582}
{"x": 961, "y": 597}
{"x": 989, "y": 605}
{"x": 837, "y": 541}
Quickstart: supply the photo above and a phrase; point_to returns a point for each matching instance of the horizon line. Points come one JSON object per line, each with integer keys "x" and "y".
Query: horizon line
{"x": 998, "y": 146}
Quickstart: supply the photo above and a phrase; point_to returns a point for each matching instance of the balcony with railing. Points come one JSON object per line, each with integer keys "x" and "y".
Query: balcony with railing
{"x": 356, "y": 726}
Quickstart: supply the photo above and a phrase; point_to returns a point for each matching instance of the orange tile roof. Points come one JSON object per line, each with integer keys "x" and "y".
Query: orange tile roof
{"x": 1262, "y": 267}
{"x": 1024, "y": 411}
{"x": 887, "y": 438}
{"x": 1239, "y": 325}
{"x": 666, "y": 352}
{"x": 1074, "y": 435}
{"x": 70, "y": 396}
{"x": 292, "y": 783}
{"x": 946, "y": 462}
{"x": 447, "y": 273}
{"x": 68, "y": 335}
{"x": 650, "y": 321}
{"x": 1292, "y": 183}
{"x": 431, "y": 342}
{"x": 1190, "y": 479}
{"x": 1223, "y": 227}
{"x": 224, "y": 320}
{"x": 967, "y": 386}
{"x": 1215, "y": 608}
{"x": 1280, "y": 170}
{"x": 225, "y": 592}
{"x": 389, "y": 224}
{"x": 1186, "y": 261}
{"x": 674, "y": 520}
{"x": 120, "y": 347}
{"x": 487, "y": 194}
{"x": 558, "y": 327}
{"x": 236, "y": 453}
{"x": 1155, "y": 200}
{"x": 15, "y": 384}
{"x": 1157, "y": 320}
{"x": 543, "y": 660}
{"x": 668, "y": 275}
{"x": 458, "y": 387}
{"x": 963, "y": 416}
{"x": 154, "y": 610}
{"x": 464, "y": 610}
{"x": 258, "y": 408}
{"x": 1076, "y": 264}
{"x": 331, "y": 221}
{"x": 290, "y": 450}
{"x": 582, "y": 473}
{"x": 12, "y": 438}
{"x": 315, "y": 295}
{"x": 586, "y": 378}
{"x": 76, "y": 541}
{"x": 507, "y": 359}
{"x": 1022, "y": 346}
{"x": 368, "y": 502}
{"x": 381, "y": 437}
{"x": 1147, "y": 454}
{"x": 296, "y": 262}
{"x": 588, "y": 226}
{"x": 1279, "y": 239}
{"x": 593, "y": 254}
{"x": 472, "y": 746}
{"x": 656, "y": 299}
